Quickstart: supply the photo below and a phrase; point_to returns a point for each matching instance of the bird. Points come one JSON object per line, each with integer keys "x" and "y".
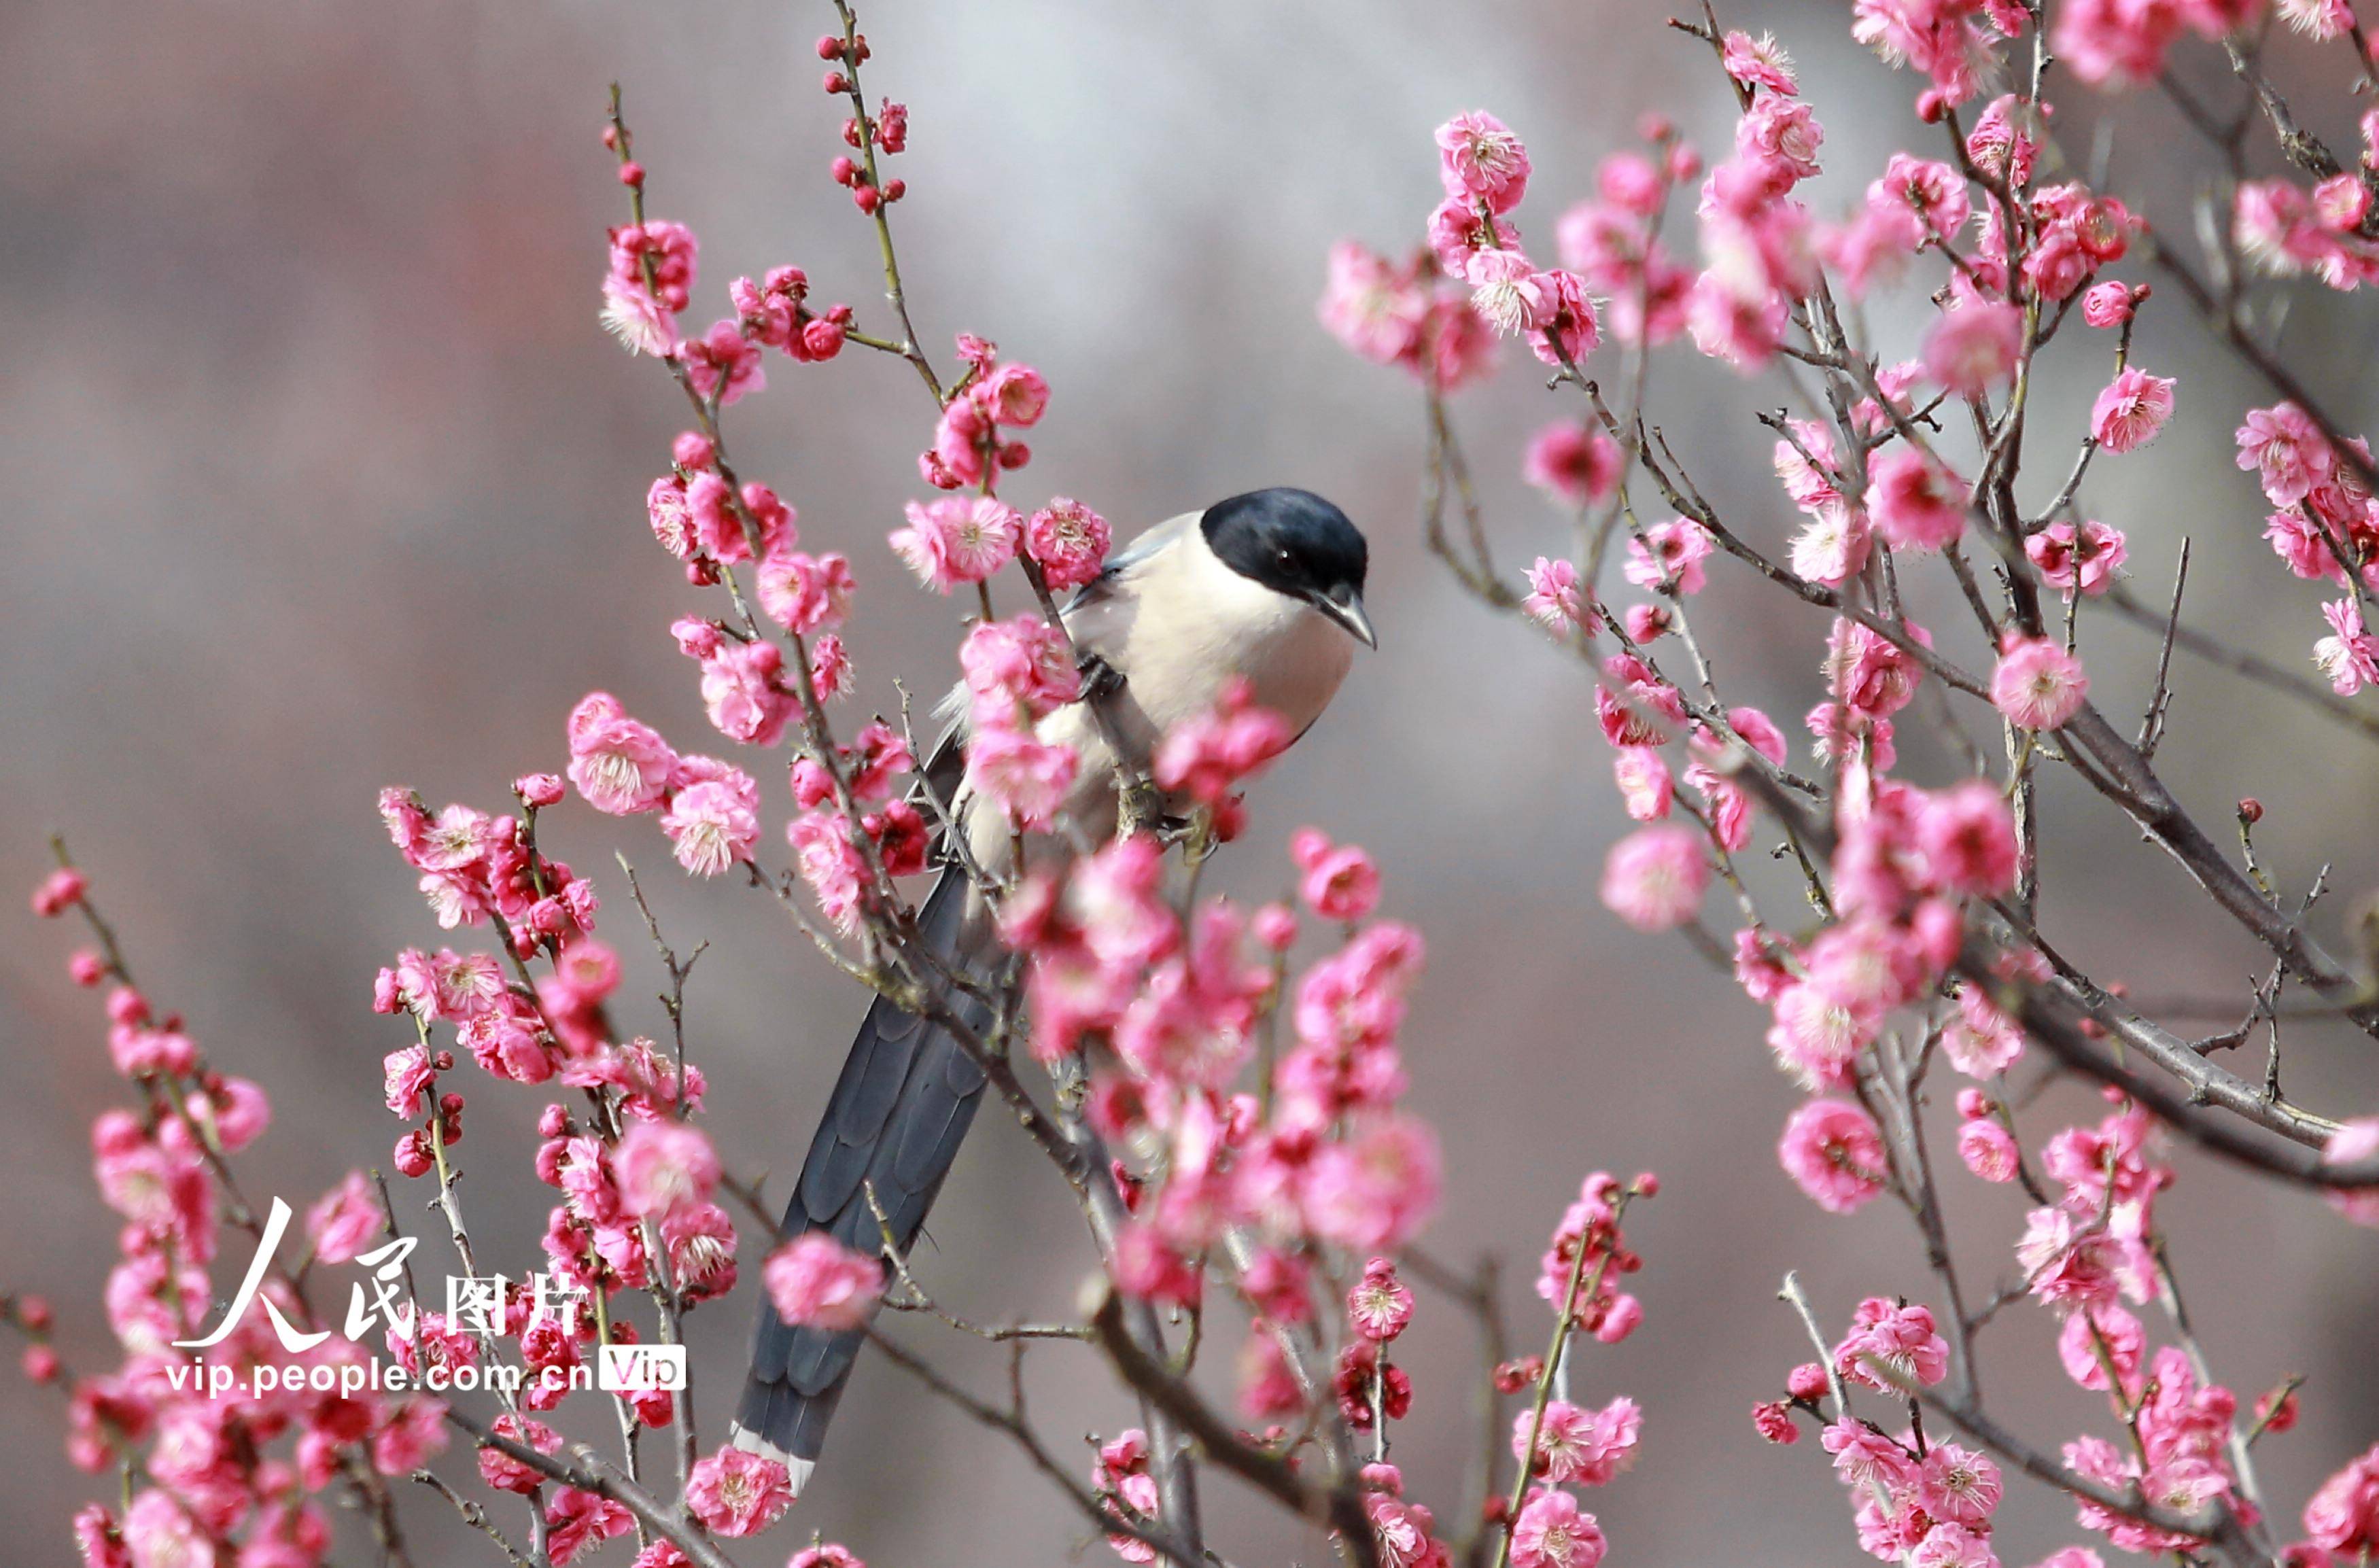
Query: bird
{"x": 1265, "y": 587}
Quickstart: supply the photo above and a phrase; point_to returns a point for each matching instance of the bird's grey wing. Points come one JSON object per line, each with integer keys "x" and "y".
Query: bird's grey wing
{"x": 1099, "y": 617}
{"x": 1125, "y": 561}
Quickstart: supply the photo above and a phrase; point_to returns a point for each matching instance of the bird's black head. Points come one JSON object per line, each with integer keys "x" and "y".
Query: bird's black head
{"x": 1294, "y": 543}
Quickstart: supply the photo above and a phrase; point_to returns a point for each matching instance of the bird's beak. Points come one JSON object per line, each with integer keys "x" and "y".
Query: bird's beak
{"x": 1346, "y": 607}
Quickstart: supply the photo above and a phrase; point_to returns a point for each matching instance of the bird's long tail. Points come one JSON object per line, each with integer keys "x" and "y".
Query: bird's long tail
{"x": 900, "y": 1110}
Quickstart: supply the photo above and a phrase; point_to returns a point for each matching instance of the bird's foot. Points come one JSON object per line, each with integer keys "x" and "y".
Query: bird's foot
{"x": 1101, "y": 680}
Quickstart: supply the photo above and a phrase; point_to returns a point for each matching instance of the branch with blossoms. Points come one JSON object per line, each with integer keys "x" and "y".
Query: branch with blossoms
{"x": 1892, "y": 930}
{"x": 1221, "y": 1090}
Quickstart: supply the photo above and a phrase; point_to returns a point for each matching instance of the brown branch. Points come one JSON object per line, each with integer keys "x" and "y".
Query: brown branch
{"x": 1338, "y": 1507}
{"x": 587, "y": 1472}
{"x": 1012, "y": 1423}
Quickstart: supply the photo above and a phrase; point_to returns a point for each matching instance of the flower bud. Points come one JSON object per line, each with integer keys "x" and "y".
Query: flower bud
{"x": 539, "y": 790}
{"x": 412, "y": 1157}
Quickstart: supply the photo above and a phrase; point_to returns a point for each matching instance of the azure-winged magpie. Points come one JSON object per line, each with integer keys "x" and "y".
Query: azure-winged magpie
{"x": 1265, "y": 587}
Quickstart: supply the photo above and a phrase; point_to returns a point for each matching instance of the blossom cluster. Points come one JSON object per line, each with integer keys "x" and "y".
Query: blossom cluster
{"x": 254, "y": 1473}
{"x": 1913, "y": 945}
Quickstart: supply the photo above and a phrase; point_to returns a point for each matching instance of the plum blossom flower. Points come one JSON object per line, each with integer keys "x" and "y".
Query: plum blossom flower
{"x": 952, "y": 541}
{"x": 1208, "y": 754}
{"x": 1951, "y": 1545}
{"x": 2085, "y": 558}
{"x": 1975, "y": 348}
{"x": 1890, "y": 1344}
{"x": 2349, "y": 655}
{"x": 1575, "y": 465}
{"x": 577, "y": 1519}
{"x": 1572, "y": 328}
{"x": 1554, "y": 1532}
{"x": 1340, "y": 881}
{"x": 1758, "y": 62}
{"x": 1644, "y": 783}
{"x": 2318, "y": 19}
{"x": 1916, "y": 504}
{"x": 649, "y": 281}
{"x": 1508, "y": 292}
{"x": 619, "y": 765}
{"x": 1832, "y": 548}
{"x": 1376, "y": 1187}
{"x": 1580, "y": 1446}
{"x": 2286, "y": 450}
{"x": 343, "y": 1223}
{"x": 714, "y": 824}
{"x": 2100, "y": 1336}
{"x": 743, "y": 693}
{"x": 1020, "y": 668}
{"x": 2107, "y": 305}
{"x": 1653, "y": 878}
{"x": 58, "y": 892}
{"x": 1555, "y": 600}
{"x": 1379, "y": 1304}
{"x": 724, "y": 362}
{"x": 2131, "y": 410}
{"x": 1024, "y": 776}
{"x": 158, "y": 1532}
{"x": 1068, "y": 541}
{"x": 1966, "y": 837}
{"x": 662, "y": 1167}
{"x": 735, "y": 1492}
{"x": 1833, "y": 1152}
{"x": 2036, "y": 684}
{"x": 1863, "y": 1456}
{"x": 1783, "y": 136}
{"x": 1480, "y": 160}
{"x": 817, "y": 1281}
{"x": 1988, "y": 1150}
{"x": 805, "y": 594}
{"x": 2343, "y": 1517}
{"x": 2072, "y": 1261}
{"x": 501, "y": 1470}
{"x": 2111, "y": 41}
{"x": 1670, "y": 552}
{"x": 1376, "y": 310}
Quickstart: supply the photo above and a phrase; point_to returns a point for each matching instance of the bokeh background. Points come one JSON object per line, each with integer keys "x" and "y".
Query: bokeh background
{"x": 320, "y": 476}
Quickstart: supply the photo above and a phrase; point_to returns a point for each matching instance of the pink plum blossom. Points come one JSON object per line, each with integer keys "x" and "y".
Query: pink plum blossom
{"x": 737, "y": 1493}
{"x": 815, "y": 1281}
{"x": 2036, "y": 684}
{"x": 1653, "y": 878}
{"x": 1832, "y": 1150}
{"x": 2131, "y": 410}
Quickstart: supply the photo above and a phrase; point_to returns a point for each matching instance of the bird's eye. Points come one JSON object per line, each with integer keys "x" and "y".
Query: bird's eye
{"x": 1285, "y": 556}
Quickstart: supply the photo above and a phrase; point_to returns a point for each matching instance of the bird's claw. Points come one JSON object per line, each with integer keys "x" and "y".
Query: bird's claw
{"x": 1100, "y": 679}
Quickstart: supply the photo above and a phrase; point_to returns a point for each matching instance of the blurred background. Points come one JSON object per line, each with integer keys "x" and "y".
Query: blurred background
{"x": 320, "y": 476}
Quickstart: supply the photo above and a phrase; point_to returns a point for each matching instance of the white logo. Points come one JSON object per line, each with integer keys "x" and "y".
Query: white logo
{"x": 641, "y": 1369}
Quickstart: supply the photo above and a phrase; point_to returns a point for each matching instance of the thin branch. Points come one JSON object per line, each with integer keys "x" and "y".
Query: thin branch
{"x": 1339, "y": 1507}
